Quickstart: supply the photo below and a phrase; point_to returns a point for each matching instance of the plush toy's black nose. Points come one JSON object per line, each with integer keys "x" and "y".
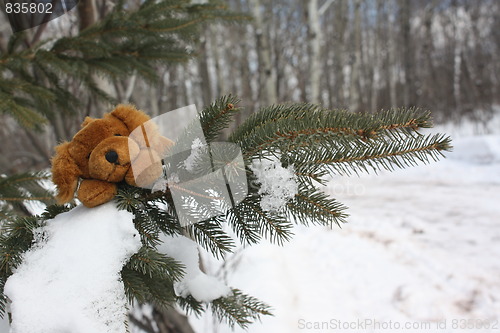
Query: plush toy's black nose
{"x": 111, "y": 156}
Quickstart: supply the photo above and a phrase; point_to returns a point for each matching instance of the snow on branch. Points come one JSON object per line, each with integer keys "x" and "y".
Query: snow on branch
{"x": 278, "y": 185}
{"x": 69, "y": 281}
{"x": 202, "y": 287}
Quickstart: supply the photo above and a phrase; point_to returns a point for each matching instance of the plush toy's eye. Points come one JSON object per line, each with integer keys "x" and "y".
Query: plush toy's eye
{"x": 118, "y": 134}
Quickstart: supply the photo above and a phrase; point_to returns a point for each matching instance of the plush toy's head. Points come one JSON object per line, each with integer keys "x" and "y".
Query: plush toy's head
{"x": 101, "y": 155}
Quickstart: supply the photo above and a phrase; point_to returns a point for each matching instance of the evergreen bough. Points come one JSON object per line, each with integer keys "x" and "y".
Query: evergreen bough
{"x": 317, "y": 142}
{"x": 18, "y": 189}
{"x": 34, "y": 79}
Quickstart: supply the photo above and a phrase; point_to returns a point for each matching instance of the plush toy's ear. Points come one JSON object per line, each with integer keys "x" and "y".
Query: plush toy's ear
{"x": 130, "y": 116}
{"x": 65, "y": 173}
{"x": 87, "y": 121}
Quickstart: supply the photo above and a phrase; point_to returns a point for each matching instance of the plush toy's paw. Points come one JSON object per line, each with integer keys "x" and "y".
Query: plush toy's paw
{"x": 96, "y": 192}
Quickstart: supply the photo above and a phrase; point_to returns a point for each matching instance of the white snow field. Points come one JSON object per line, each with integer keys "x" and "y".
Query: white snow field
{"x": 421, "y": 253}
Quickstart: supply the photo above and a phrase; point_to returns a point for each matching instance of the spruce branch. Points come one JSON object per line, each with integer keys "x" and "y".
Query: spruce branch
{"x": 314, "y": 206}
{"x": 400, "y": 118}
{"x": 270, "y": 115}
{"x": 166, "y": 219}
{"x": 246, "y": 228}
{"x": 19, "y": 108}
{"x": 239, "y": 309}
{"x": 124, "y": 42}
{"x": 143, "y": 288}
{"x": 287, "y": 127}
{"x": 190, "y": 305}
{"x": 130, "y": 198}
{"x": 17, "y": 189}
{"x": 150, "y": 262}
{"x": 273, "y": 226}
{"x": 149, "y": 276}
{"x": 312, "y": 138}
{"x": 251, "y": 222}
{"x": 211, "y": 236}
{"x": 217, "y": 116}
{"x": 398, "y": 150}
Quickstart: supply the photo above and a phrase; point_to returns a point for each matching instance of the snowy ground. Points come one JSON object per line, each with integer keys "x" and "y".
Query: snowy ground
{"x": 421, "y": 251}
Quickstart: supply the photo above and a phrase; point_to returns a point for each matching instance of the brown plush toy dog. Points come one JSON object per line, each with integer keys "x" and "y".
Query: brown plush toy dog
{"x": 101, "y": 154}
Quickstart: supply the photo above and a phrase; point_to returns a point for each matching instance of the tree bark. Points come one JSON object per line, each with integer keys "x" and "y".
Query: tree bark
{"x": 205, "y": 83}
{"x": 407, "y": 53}
{"x": 428, "y": 50}
{"x": 267, "y": 76}
{"x": 354, "y": 89}
{"x": 314, "y": 33}
{"x": 391, "y": 66}
{"x": 221, "y": 87}
{"x": 339, "y": 47}
{"x": 376, "y": 58}
{"x": 86, "y": 13}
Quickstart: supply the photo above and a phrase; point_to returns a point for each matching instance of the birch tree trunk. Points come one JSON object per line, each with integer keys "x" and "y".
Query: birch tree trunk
{"x": 457, "y": 60}
{"x": 244, "y": 68}
{"x": 205, "y": 83}
{"x": 391, "y": 51}
{"x": 339, "y": 47}
{"x": 267, "y": 76}
{"x": 314, "y": 33}
{"x": 428, "y": 50}
{"x": 376, "y": 58}
{"x": 354, "y": 90}
{"x": 221, "y": 87}
{"x": 173, "y": 88}
{"x": 407, "y": 53}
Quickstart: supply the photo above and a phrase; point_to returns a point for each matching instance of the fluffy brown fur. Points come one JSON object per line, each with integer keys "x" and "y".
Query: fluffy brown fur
{"x": 84, "y": 157}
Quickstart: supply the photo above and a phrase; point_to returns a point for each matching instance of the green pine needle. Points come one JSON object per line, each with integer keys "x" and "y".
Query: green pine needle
{"x": 16, "y": 190}
{"x": 217, "y": 116}
{"x": 239, "y": 309}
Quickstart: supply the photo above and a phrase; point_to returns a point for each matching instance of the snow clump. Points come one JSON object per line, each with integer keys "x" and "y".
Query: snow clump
{"x": 202, "y": 287}
{"x": 278, "y": 185}
{"x": 69, "y": 281}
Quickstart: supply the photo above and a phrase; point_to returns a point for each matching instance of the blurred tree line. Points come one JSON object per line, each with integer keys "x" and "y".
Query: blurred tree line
{"x": 363, "y": 55}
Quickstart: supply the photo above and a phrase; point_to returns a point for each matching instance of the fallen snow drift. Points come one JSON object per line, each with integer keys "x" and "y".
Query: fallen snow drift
{"x": 70, "y": 280}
